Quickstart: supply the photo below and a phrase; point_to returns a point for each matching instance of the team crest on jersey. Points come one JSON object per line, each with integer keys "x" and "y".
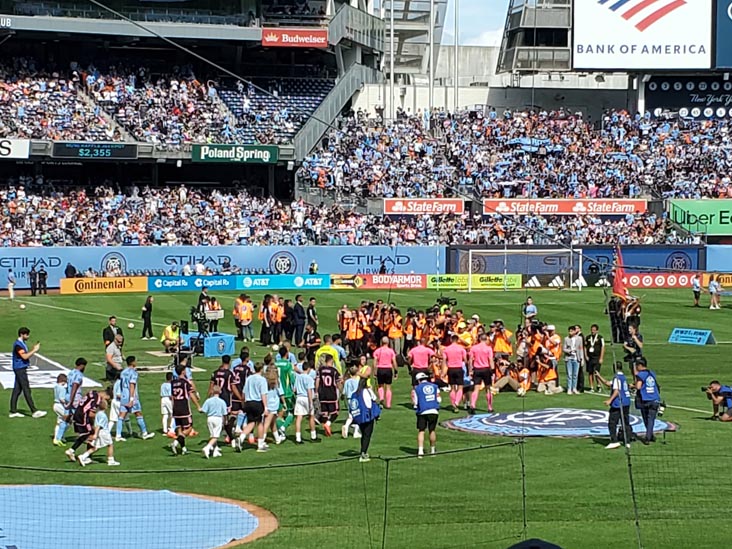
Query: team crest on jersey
{"x": 548, "y": 422}
{"x": 429, "y": 389}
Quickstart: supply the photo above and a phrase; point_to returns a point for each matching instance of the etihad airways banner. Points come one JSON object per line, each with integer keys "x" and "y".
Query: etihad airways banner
{"x": 642, "y": 34}
{"x": 295, "y": 38}
{"x": 563, "y": 206}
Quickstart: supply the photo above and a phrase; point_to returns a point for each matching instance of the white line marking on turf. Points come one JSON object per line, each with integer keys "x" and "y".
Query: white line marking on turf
{"x": 79, "y": 311}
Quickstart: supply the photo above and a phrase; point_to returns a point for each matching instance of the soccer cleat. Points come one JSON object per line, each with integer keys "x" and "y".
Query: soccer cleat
{"x": 84, "y": 461}
{"x": 120, "y": 439}
{"x": 357, "y": 433}
{"x": 16, "y": 414}
{"x": 38, "y": 414}
{"x": 420, "y": 455}
{"x": 613, "y": 445}
{"x": 112, "y": 463}
{"x": 263, "y": 448}
{"x": 344, "y": 432}
{"x": 174, "y": 447}
{"x": 194, "y": 433}
{"x": 251, "y": 439}
{"x": 170, "y": 434}
{"x": 233, "y": 442}
{"x": 279, "y": 439}
{"x": 70, "y": 454}
{"x": 216, "y": 453}
{"x": 327, "y": 429}
{"x": 364, "y": 458}
{"x": 184, "y": 451}
{"x": 206, "y": 452}
{"x": 59, "y": 443}
{"x": 147, "y": 436}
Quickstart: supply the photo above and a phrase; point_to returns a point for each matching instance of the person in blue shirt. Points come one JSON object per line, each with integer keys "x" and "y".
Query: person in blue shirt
{"x": 21, "y": 362}
{"x": 530, "y": 310}
{"x": 74, "y": 382}
{"x": 166, "y": 406}
{"x": 59, "y": 407}
{"x": 100, "y": 438}
{"x": 255, "y": 390}
{"x": 619, "y": 403}
{"x": 130, "y": 400}
{"x": 349, "y": 388}
{"x": 426, "y": 399}
{"x": 648, "y": 397}
{"x": 215, "y": 409}
{"x": 304, "y": 396}
{"x": 720, "y": 395}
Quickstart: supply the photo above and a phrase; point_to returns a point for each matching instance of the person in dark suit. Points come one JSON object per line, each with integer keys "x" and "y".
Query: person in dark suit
{"x": 111, "y": 331}
{"x": 42, "y": 281}
{"x": 203, "y": 299}
{"x": 299, "y": 318}
{"x": 33, "y": 280}
{"x": 288, "y": 320}
{"x": 147, "y": 309}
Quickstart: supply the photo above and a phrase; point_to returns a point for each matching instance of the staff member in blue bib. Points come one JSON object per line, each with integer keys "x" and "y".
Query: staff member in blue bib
{"x": 648, "y": 398}
{"x": 619, "y": 403}
{"x": 21, "y": 361}
{"x": 365, "y": 411}
{"x": 720, "y": 395}
{"x": 426, "y": 398}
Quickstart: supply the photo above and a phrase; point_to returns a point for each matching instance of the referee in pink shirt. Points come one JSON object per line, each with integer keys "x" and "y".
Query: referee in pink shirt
{"x": 419, "y": 360}
{"x": 481, "y": 371}
{"x": 386, "y": 370}
{"x": 455, "y": 358}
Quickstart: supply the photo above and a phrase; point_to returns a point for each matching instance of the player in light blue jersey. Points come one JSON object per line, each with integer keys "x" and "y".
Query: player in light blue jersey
{"x": 74, "y": 382}
{"x": 215, "y": 409}
{"x": 255, "y": 391}
{"x": 59, "y": 407}
{"x": 114, "y": 408}
{"x": 349, "y": 388}
{"x": 304, "y": 395}
{"x": 166, "y": 406}
{"x": 100, "y": 438}
{"x": 130, "y": 402}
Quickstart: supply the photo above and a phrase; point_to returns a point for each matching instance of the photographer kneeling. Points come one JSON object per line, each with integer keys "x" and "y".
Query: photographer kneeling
{"x": 720, "y": 395}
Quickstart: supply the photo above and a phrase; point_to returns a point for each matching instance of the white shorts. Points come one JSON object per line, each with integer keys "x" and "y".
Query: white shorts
{"x": 302, "y": 406}
{"x": 114, "y": 410}
{"x": 103, "y": 440}
{"x": 60, "y": 411}
{"x": 166, "y": 406}
{"x": 215, "y": 424}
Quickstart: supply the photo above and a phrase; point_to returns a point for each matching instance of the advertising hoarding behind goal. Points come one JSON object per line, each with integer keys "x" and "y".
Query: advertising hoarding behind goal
{"x": 642, "y": 35}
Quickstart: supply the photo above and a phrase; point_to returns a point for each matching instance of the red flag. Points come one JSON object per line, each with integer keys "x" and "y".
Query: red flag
{"x": 619, "y": 288}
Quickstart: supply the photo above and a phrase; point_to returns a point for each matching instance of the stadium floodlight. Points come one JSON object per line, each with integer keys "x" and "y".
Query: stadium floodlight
{"x": 559, "y": 267}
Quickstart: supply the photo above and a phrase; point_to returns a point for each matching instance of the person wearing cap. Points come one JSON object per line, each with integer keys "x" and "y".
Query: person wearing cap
{"x": 171, "y": 337}
{"x": 426, "y": 399}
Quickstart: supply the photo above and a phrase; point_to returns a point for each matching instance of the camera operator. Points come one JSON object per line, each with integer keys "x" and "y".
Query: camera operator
{"x": 720, "y": 395}
{"x": 648, "y": 397}
{"x": 633, "y": 344}
{"x": 501, "y": 337}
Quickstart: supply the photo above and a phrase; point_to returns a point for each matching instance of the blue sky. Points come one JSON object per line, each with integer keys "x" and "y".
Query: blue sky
{"x": 481, "y": 22}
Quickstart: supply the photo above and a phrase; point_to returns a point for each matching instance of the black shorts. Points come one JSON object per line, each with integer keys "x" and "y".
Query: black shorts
{"x": 328, "y": 408}
{"x": 593, "y": 366}
{"x": 427, "y": 422}
{"x": 181, "y": 409}
{"x": 236, "y": 406}
{"x": 384, "y": 376}
{"x": 697, "y": 295}
{"x": 254, "y": 410}
{"x": 416, "y": 371}
{"x": 455, "y": 376}
{"x": 484, "y": 375}
{"x": 184, "y": 422}
{"x": 83, "y": 428}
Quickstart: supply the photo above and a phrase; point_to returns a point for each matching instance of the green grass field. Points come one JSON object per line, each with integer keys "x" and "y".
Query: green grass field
{"x": 577, "y": 493}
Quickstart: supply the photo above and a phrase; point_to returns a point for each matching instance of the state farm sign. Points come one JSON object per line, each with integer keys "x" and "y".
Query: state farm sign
{"x": 660, "y": 280}
{"x": 295, "y": 38}
{"x": 417, "y": 206}
{"x": 563, "y": 206}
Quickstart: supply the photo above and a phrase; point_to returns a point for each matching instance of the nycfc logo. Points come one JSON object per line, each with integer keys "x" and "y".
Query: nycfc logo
{"x": 429, "y": 389}
{"x": 221, "y": 346}
{"x": 113, "y": 261}
{"x": 283, "y": 263}
{"x": 550, "y": 422}
{"x": 353, "y": 405}
{"x": 679, "y": 261}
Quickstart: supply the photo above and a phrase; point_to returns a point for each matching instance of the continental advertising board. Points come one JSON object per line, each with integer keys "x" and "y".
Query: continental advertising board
{"x": 116, "y": 285}
{"x": 642, "y": 34}
{"x": 274, "y": 259}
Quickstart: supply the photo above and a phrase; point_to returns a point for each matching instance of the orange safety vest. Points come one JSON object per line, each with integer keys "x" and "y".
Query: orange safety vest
{"x": 502, "y": 344}
{"x": 554, "y": 345}
{"x": 524, "y": 378}
{"x": 245, "y": 313}
{"x": 279, "y": 313}
{"x": 419, "y": 329}
{"x": 238, "y": 304}
{"x": 395, "y": 328}
{"x": 260, "y": 316}
{"x": 354, "y": 329}
{"x": 546, "y": 373}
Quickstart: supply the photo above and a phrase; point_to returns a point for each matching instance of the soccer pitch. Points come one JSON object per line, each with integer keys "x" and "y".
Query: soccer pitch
{"x": 571, "y": 492}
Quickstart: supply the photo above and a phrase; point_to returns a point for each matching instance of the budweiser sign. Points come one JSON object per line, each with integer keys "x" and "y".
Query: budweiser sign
{"x": 563, "y": 206}
{"x": 417, "y": 206}
{"x": 295, "y": 38}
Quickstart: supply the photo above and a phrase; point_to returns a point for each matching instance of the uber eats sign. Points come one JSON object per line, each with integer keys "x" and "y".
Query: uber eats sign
{"x": 712, "y": 217}
{"x": 243, "y": 154}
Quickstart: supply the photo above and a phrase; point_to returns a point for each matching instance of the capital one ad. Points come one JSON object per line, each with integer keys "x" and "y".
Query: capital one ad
{"x": 290, "y": 260}
{"x": 638, "y": 34}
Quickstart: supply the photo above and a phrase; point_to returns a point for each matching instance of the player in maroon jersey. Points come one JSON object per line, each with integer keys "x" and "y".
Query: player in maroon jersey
{"x": 327, "y": 386}
{"x": 83, "y": 418}
{"x": 183, "y": 392}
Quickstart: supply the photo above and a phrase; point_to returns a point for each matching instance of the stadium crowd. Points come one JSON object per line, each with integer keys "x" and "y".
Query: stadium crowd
{"x": 193, "y": 216}
{"x": 524, "y": 154}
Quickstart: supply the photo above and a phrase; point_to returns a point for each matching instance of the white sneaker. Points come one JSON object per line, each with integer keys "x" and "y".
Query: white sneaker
{"x": 120, "y": 439}
{"x": 174, "y": 446}
{"x": 548, "y": 393}
{"x": 184, "y": 451}
{"x": 206, "y": 452}
{"x": 613, "y": 445}
{"x": 147, "y": 436}
{"x": 420, "y": 455}
{"x": 357, "y": 434}
{"x": 278, "y": 438}
{"x": 576, "y": 392}
{"x": 70, "y": 453}
{"x": 569, "y": 392}
{"x": 364, "y": 458}
{"x": 216, "y": 453}
{"x": 112, "y": 463}
{"x": 39, "y": 413}
{"x": 233, "y": 442}
{"x": 344, "y": 432}
{"x": 263, "y": 448}
{"x": 84, "y": 461}
{"x": 16, "y": 414}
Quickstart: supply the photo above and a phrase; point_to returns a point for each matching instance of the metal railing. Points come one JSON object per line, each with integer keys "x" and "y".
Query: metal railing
{"x": 352, "y": 81}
